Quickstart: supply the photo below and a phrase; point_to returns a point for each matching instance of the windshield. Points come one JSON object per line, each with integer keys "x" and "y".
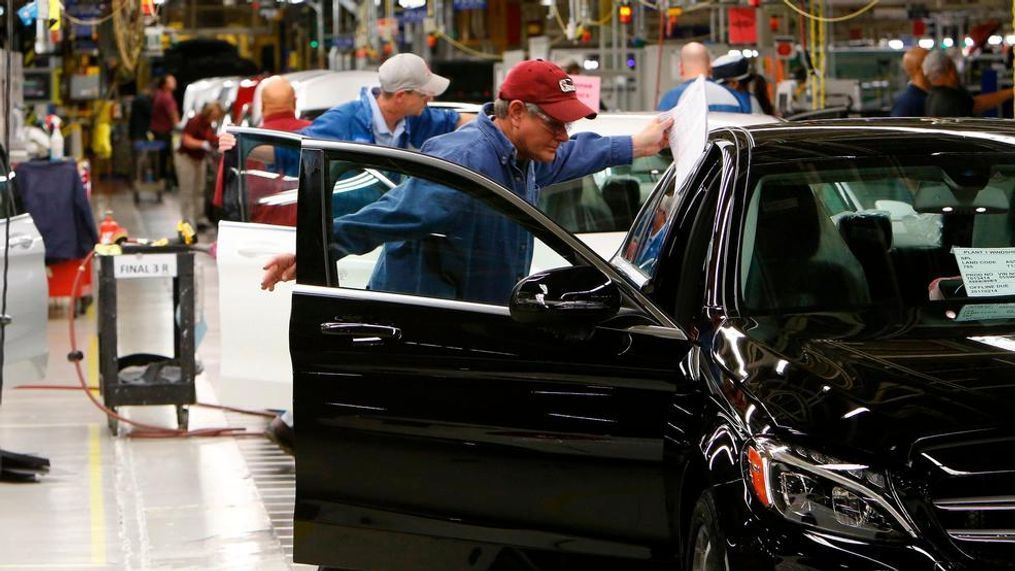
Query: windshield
{"x": 606, "y": 201}
{"x": 899, "y": 231}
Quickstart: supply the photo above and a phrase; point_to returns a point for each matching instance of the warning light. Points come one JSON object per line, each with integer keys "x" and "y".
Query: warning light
{"x": 624, "y": 13}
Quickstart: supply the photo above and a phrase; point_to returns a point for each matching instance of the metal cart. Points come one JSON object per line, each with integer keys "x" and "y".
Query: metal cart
{"x": 145, "y": 378}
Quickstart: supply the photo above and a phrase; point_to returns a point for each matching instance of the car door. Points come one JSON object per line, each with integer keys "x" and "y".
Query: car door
{"x": 259, "y": 204}
{"x": 25, "y": 340}
{"x": 433, "y": 415}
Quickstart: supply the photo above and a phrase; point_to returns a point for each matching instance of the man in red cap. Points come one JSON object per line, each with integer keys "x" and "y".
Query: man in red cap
{"x": 521, "y": 142}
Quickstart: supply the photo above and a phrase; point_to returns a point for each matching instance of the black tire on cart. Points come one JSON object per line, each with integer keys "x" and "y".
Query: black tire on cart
{"x": 137, "y": 197}
{"x": 114, "y": 424}
{"x": 158, "y": 197}
{"x": 182, "y": 417}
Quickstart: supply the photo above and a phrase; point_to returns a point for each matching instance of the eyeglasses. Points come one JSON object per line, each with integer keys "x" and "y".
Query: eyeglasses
{"x": 550, "y": 123}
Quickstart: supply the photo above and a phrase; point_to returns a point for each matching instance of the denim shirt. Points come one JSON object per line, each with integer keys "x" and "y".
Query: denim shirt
{"x": 354, "y": 121}
{"x": 479, "y": 254}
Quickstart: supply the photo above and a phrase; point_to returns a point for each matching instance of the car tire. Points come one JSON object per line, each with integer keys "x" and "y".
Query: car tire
{"x": 706, "y": 543}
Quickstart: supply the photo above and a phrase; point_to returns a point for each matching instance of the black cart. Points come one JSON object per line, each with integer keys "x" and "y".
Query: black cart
{"x": 144, "y": 378}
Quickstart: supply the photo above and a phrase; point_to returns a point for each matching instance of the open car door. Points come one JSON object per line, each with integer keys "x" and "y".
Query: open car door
{"x": 259, "y": 202}
{"x": 442, "y": 420}
{"x": 25, "y": 340}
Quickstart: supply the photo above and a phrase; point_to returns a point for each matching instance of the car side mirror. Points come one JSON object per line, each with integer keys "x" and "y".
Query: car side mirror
{"x": 573, "y": 296}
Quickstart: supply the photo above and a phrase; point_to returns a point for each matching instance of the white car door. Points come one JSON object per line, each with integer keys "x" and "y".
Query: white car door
{"x": 259, "y": 200}
{"x": 25, "y": 340}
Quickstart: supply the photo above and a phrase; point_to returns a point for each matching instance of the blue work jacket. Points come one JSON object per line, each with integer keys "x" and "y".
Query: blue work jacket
{"x": 719, "y": 98}
{"x": 479, "y": 254}
{"x": 353, "y": 121}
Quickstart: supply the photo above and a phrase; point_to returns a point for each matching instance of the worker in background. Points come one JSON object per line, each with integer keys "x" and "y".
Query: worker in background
{"x": 521, "y": 142}
{"x": 695, "y": 61}
{"x": 947, "y": 97}
{"x": 395, "y": 114}
{"x": 733, "y": 72}
{"x": 165, "y": 116}
{"x": 197, "y": 142}
{"x": 911, "y": 102}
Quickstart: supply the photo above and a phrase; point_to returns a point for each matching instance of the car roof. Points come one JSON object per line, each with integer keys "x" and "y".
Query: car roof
{"x": 614, "y": 124}
{"x": 878, "y": 137}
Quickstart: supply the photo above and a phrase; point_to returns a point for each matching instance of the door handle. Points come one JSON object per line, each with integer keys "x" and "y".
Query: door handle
{"x": 21, "y": 241}
{"x": 362, "y": 331}
{"x": 259, "y": 251}
{"x": 6, "y": 319}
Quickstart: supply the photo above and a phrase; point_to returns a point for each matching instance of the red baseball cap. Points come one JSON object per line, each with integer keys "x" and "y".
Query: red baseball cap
{"x": 546, "y": 85}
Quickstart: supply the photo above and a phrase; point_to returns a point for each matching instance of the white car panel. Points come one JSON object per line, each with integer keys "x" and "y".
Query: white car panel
{"x": 256, "y": 370}
{"x": 25, "y": 344}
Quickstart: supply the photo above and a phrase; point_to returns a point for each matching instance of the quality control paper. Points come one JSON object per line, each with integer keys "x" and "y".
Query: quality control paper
{"x": 690, "y": 129}
{"x": 987, "y": 271}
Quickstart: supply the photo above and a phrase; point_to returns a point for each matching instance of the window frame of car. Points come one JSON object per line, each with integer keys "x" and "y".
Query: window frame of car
{"x": 247, "y": 139}
{"x": 316, "y": 264}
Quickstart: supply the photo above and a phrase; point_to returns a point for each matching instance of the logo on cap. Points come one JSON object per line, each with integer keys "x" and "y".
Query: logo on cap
{"x": 567, "y": 85}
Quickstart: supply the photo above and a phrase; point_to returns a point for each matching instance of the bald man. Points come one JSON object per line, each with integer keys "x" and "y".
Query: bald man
{"x": 694, "y": 61}
{"x": 278, "y": 110}
{"x": 910, "y": 103}
{"x": 278, "y": 106}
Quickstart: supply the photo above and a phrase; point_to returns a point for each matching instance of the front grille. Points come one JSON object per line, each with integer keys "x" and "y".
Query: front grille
{"x": 972, "y": 489}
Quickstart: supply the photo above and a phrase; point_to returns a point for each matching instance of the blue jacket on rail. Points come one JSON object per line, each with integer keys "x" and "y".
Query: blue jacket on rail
{"x": 481, "y": 253}
{"x": 353, "y": 121}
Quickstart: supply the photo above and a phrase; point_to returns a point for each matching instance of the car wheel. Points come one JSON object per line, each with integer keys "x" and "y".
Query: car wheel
{"x": 706, "y": 544}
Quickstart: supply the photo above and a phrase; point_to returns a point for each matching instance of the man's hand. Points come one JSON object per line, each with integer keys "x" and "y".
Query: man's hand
{"x": 281, "y": 268}
{"x": 226, "y": 142}
{"x": 654, "y": 137}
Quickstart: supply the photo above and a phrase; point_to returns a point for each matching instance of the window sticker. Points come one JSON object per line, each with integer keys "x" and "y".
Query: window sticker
{"x": 987, "y": 272}
{"x": 986, "y": 311}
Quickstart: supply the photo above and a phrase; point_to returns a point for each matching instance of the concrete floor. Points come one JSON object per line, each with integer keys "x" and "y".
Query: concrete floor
{"x": 128, "y": 503}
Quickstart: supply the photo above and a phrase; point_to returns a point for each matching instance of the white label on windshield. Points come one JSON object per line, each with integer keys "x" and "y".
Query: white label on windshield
{"x": 987, "y": 271}
{"x": 985, "y": 311}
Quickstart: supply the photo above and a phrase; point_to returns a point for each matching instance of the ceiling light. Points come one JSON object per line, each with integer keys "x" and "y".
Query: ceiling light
{"x": 926, "y": 43}
{"x": 896, "y": 44}
{"x": 968, "y": 42}
{"x": 995, "y": 40}
{"x": 947, "y": 42}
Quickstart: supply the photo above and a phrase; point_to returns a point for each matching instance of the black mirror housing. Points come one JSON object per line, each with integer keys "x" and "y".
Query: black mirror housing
{"x": 572, "y": 296}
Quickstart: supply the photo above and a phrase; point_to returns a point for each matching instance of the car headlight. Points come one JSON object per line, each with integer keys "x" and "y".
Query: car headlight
{"x": 819, "y": 491}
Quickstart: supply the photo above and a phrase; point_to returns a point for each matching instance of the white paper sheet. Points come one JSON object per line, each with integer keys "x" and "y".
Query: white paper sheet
{"x": 987, "y": 271}
{"x": 690, "y": 128}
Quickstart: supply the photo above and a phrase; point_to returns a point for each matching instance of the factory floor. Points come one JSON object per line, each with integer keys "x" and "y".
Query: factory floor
{"x": 123, "y": 502}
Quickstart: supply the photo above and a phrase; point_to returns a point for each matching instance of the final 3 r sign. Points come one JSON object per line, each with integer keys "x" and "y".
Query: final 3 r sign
{"x": 129, "y": 266}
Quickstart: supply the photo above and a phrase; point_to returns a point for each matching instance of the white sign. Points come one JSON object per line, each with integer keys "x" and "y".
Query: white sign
{"x": 986, "y": 311}
{"x": 987, "y": 271}
{"x": 587, "y": 89}
{"x": 128, "y": 266}
{"x": 690, "y": 128}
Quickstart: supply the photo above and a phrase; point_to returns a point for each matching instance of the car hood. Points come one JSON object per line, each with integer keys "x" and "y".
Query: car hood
{"x": 874, "y": 384}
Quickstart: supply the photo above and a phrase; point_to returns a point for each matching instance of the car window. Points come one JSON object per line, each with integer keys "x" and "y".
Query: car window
{"x": 270, "y": 178}
{"x": 888, "y": 235}
{"x": 606, "y": 201}
{"x": 439, "y": 240}
{"x": 644, "y": 242}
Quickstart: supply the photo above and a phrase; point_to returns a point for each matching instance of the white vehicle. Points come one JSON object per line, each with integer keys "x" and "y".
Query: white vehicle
{"x": 25, "y": 342}
{"x": 261, "y": 187}
{"x": 205, "y": 91}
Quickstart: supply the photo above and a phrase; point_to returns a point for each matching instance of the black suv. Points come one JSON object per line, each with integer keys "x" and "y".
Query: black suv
{"x": 800, "y": 358}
